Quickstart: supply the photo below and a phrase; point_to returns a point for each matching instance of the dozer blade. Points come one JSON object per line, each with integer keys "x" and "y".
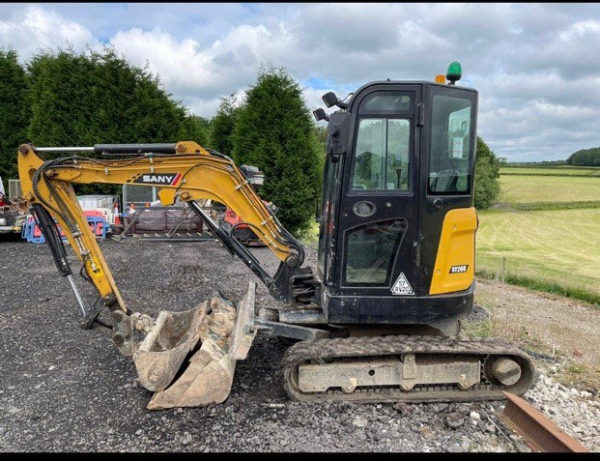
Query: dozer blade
{"x": 226, "y": 336}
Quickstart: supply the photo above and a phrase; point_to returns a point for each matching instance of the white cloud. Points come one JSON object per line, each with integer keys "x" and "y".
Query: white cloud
{"x": 536, "y": 66}
{"x": 35, "y": 29}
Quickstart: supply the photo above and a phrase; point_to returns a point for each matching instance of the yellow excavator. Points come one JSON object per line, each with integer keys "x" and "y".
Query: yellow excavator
{"x": 377, "y": 321}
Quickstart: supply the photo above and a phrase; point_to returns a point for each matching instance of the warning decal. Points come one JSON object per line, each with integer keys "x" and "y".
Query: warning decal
{"x": 402, "y": 287}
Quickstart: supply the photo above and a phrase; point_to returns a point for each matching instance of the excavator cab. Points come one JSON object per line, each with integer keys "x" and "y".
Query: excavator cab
{"x": 398, "y": 176}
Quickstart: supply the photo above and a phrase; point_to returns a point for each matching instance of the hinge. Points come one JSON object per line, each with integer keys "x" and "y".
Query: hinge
{"x": 421, "y": 117}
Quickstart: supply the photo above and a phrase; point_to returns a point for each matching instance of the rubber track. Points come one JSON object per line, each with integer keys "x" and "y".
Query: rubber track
{"x": 382, "y": 346}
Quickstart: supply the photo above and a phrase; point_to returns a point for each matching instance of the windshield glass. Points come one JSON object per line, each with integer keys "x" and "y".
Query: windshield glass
{"x": 450, "y": 153}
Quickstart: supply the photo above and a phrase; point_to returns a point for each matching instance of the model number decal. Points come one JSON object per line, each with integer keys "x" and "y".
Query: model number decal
{"x": 459, "y": 269}
{"x": 169, "y": 179}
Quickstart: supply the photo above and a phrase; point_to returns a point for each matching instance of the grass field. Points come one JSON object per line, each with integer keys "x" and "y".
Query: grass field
{"x": 545, "y": 230}
{"x": 551, "y": 171}
{"x": 526, "y": 189}
{"x": 557, "y": 247}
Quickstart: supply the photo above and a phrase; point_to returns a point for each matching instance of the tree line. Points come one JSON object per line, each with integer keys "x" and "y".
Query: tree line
{"x": 585, "y": 157}
{"x": 64, "y": 98}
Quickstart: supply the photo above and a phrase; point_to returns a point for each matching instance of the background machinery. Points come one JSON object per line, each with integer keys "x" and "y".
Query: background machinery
{"x": 13, "y": 209}
{"x": 379, "y": 317}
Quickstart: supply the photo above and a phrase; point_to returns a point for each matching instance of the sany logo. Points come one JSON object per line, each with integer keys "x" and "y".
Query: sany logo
{"x": 170, "y": 179}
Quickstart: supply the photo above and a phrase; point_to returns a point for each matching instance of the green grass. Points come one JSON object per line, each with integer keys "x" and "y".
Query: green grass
{"x": 525, "y": 189}
{"x": 550, "y": 171}
{"x": 311, "y": 235}
{"x": 556, "y": 251}
{"x": 576, "y": 368}
{"x": 540, "y": 206}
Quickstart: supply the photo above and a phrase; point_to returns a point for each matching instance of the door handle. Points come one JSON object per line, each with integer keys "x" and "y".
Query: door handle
{"x": 438, "y": 203}
{"x": 364, "y": 209}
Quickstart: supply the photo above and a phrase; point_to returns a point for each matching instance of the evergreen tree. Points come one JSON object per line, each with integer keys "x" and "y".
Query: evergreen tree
{"x": 89, "y": 98}
{"x": 194, "y": 128}
{"x": 14, "y": 113}
{"x": 221, "y": 126}
{"x": 274, "y": 132}
{"x": 487, "y": 172}
{"x": 79, "y": 99}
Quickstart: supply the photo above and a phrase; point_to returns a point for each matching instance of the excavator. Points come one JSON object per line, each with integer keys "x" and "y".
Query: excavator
{"x": 379, "y": 317}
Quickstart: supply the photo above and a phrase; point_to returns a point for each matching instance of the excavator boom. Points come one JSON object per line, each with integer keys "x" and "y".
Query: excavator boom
{"x": 183, "y": 171}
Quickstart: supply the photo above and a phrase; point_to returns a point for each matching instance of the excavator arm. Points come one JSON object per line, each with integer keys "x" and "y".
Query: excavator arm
{"x": 184, "y": 171}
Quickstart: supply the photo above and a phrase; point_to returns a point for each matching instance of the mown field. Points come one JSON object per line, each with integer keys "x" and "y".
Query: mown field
{"x": 525, "y": 189}
{"x": 544, "y": 233}
{"x": 565, "y": 170}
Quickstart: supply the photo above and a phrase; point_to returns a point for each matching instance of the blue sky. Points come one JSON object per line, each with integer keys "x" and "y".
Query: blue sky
{"x": 536, "y": 66}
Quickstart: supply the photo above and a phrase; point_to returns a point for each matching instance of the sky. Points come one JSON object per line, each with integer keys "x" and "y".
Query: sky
{"x": 536, "y": 66}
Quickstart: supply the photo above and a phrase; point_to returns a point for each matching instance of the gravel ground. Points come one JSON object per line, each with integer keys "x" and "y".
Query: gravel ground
{"x": 66, "y": 389}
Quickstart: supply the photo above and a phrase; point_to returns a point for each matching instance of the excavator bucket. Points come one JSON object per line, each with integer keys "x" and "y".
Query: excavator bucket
{"x": 225, "y": 335}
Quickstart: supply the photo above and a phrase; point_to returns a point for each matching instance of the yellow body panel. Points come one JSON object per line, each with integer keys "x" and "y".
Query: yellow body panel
{"x": 455, "y": 261}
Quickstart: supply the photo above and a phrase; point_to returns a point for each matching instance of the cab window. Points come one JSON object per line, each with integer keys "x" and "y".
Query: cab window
{"x": 450, "y": 153}
{"x": 370, "y": 250}
{"x": 381, "y": 158}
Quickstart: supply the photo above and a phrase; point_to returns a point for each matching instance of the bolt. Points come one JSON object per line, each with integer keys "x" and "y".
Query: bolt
{"x": 293, "y": 261}
{"x": 118, "y": 316}
{"x": 23, "y": 148}
{"x": 50, "y": 173}
{"x": 181, "y": 147}
{"x": 185, "y": 196}
{"x": 118, "y": 338}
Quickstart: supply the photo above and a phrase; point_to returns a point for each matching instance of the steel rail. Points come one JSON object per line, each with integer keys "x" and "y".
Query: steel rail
{"x": 540, "y": 433}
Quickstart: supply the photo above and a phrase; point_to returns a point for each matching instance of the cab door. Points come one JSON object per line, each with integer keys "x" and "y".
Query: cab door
{"x": 447, "y": 178}
{"x": 378, "y": 210}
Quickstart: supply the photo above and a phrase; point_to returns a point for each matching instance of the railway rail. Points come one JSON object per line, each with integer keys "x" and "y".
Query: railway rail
{"x": 540, "y": 433}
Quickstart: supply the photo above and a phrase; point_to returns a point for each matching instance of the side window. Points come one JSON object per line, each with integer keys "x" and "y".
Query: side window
{"x": 450, "y": 156}
{"x": 370, "y": 251}
{"x": 382, "y": 155}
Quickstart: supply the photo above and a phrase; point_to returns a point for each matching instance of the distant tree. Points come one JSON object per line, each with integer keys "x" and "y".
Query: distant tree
{"x": 585, "y": 157}
{"x": 487, "y": 172}
{"x": 221, "y": 126}
{"x": 14, "y": 112}
{"x": 274, "y": 131}
{"x": 194, "y": 128}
